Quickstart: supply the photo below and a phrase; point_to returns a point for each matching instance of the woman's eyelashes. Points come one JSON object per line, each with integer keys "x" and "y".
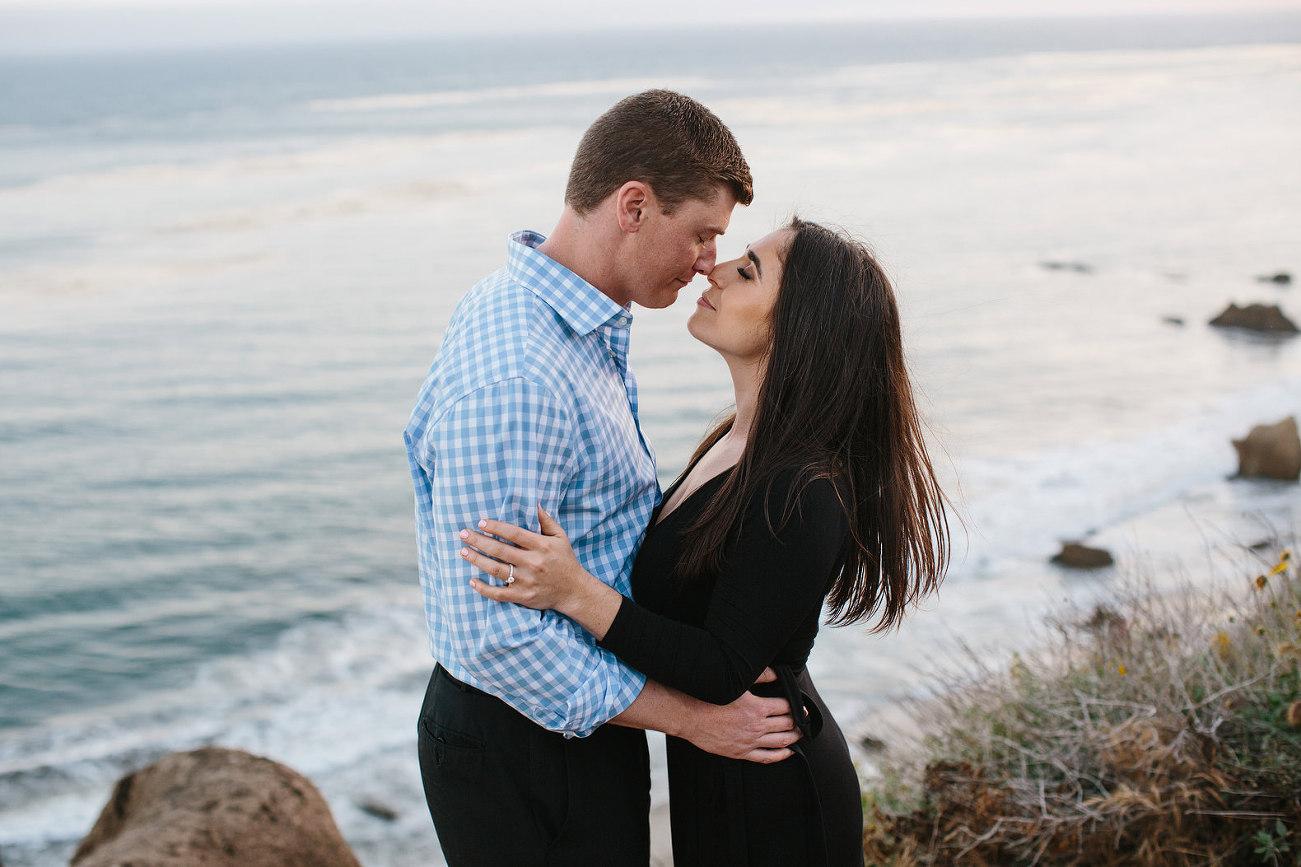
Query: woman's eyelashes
{"x": 742, "y": 270}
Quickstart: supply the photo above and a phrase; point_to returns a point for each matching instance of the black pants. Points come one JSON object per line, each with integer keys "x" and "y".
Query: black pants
{"x": 503, "y": 790}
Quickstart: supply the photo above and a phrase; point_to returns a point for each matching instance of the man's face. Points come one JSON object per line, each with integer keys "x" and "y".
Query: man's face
{"x": 673, "y": 248}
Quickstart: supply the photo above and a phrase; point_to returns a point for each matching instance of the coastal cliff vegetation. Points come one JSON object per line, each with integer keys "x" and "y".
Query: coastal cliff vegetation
{"x": 1158, "y": 729}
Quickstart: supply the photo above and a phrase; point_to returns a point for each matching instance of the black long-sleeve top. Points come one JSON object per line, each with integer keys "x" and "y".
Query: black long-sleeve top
{"x": 711, "y": 637}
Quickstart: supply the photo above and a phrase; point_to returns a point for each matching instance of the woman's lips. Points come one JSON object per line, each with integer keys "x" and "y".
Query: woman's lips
{"x": 704, "y": 302}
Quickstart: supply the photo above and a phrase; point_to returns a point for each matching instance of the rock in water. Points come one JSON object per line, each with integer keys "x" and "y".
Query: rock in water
{"x": 1077, "y": 267}
{"x": 1282, "y": 278}
{"x": 1270, "y": 451}
{"x": 217, "y": 808}
{"x": 378, "y": 810}
{"x": 1076, "y": 556}
{"x": 1256, "y": 317}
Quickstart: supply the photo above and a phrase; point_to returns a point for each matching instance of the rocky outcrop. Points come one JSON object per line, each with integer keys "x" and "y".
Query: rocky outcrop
{"x": 1266, "y": 318}
{"x": 1270, "y": 451}
{"x": 1076, "y": 556}
{"x": 1282, "y": 278}
{"x": 216, "y": 808}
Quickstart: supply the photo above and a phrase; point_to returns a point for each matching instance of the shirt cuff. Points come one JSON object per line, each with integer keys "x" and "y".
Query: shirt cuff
{"x": 626, "y": 686}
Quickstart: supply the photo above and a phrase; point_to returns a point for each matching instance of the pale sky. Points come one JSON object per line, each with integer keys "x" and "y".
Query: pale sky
{"x": 38, "y": 26}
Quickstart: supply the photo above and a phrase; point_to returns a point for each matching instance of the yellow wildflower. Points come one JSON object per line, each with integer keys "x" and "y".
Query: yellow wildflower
{"x": 1260, "y": 582}
{"x": 1223, "y": 646}
{"x": 1279, "y": 568}
{"x": 1121, "y": 669}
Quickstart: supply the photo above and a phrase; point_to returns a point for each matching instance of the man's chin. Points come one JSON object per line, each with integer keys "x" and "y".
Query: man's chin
{"x": 663, "y": 298}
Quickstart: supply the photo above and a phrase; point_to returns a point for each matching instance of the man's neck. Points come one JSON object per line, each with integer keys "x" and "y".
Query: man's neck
{"x": 575, "y": 244}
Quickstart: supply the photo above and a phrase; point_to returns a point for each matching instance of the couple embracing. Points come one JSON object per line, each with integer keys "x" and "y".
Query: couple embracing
{"x": 571, "y": 606}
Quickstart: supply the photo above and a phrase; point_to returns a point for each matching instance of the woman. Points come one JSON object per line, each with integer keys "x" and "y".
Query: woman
{"x": 817, "y": 491}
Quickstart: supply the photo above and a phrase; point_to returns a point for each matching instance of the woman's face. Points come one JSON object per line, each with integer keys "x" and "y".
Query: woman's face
{"x": 734, "y": 314}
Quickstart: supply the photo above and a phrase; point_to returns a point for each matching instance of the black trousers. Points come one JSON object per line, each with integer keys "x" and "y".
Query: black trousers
{"x": 503, "y": 790}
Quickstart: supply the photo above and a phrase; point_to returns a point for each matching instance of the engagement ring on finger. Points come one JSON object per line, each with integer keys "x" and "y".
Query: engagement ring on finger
{"x": 510, "y": 577}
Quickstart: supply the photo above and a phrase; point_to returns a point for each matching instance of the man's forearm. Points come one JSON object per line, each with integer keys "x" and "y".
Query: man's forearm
{"x": 751, "y": 728}
{"x": 658, "y": 708}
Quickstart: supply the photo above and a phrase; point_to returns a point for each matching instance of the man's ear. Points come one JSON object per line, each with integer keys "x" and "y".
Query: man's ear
{"x": 632, "y": 203}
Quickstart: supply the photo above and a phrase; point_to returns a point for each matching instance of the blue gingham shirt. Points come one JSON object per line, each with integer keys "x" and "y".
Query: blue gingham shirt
{"x": 530, "y": 401}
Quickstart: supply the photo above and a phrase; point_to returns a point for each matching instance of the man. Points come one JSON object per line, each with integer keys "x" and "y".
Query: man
{"x": 530, "y": 402}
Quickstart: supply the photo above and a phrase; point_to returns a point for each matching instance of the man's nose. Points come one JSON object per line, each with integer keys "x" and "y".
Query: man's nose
{"x": 705, "y": 264}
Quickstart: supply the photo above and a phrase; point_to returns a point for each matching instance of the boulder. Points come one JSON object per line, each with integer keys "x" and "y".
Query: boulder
{"x": 1255, "y": 317}
{"x": 1282, "y": 278}
{"x": 1270, "y": 451}
{"x": 1076, "y": 556}
{"x": 216, "y": 808}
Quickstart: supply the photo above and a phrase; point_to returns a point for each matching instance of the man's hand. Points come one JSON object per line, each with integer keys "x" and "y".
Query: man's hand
{"x": 752, "y": 728}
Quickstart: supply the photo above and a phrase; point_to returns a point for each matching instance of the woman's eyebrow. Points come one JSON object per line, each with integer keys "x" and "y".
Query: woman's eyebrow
{"x": 755, "y": 259}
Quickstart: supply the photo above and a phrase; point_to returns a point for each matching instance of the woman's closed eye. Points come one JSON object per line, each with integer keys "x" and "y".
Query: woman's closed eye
{"x": 743, "y": 271}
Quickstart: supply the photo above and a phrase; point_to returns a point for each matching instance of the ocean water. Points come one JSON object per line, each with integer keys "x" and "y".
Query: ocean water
{"x": 223, "y": 276}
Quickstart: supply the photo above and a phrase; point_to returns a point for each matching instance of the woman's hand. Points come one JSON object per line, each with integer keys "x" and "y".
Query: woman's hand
{"x": 538, "y": 570}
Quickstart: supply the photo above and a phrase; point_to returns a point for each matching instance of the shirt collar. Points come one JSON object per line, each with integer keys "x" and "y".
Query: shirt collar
{"x": 583, "y": 307}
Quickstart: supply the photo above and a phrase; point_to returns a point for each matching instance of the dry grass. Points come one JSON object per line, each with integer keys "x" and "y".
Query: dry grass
{"x": 1162, "y": 730}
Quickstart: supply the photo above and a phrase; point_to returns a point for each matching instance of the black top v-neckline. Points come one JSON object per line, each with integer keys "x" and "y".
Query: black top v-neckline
{"x": 658, "y": 517}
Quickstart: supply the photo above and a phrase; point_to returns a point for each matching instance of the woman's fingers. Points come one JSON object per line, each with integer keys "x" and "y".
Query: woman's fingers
{"x": 493, "y": 548}
{"x": 496, "y": 569}
{"x": 499, "y": 592}
{"x": 511, "y": 533}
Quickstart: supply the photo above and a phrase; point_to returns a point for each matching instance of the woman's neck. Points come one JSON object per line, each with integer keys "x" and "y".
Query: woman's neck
{"x": 745, "y": 391}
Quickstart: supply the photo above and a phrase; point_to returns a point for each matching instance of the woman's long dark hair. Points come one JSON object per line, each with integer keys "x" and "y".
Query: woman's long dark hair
{"x": 835, "y": 403}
